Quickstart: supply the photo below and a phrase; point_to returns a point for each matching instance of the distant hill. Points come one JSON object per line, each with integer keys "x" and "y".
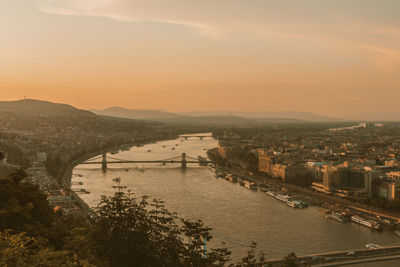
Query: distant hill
{"x": 286, "y": 115}
{"x": 213, "y": 121}
{"x": 201, "y": 120}
{"x": 225, "y": 121}
{"x": 138, "y": 114}
{"x": 376, "y": 117}
{"x": 40, "y": 107}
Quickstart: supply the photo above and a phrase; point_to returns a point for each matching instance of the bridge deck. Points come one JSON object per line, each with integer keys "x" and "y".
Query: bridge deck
{"x": 147, "y": 161}
{"x": 196, "y": 136}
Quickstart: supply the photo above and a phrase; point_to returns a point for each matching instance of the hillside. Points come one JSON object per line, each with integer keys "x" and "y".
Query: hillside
{"x": 40, "y": 107}
{"x": 285, "y": 115}
{"x": 200, "y": 120}
{"x": 224, "y": 121}
{"x": 138, "y": 114}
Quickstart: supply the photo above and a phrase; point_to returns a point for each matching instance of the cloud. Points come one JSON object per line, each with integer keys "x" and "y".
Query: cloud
{"x": 119, "y": 10}
{"x": 340, "y": 23}
{"x": 385, "y": 58}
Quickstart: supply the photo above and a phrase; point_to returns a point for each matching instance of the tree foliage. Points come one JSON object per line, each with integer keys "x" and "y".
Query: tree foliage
{"x": 133, "y": 232}
{"x": 22, "y": 206}
{"x": 291, "y": 260}
{"x": 252, "y": 259}
{"x": 124, "y": 231}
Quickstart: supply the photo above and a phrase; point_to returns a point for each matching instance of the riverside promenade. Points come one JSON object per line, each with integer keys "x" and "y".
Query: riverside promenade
{"x": 340, "y": 258}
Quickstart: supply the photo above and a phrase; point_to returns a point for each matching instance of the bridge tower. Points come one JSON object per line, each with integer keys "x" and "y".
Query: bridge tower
{"x": 183, "y": 161}
{"x": 104, "y": 162}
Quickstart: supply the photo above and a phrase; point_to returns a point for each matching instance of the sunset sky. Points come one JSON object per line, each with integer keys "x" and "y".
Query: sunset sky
{"x": 331, "y": 57}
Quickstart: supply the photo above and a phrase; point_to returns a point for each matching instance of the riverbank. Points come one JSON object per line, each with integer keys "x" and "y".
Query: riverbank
{"x": 328, "y": 202}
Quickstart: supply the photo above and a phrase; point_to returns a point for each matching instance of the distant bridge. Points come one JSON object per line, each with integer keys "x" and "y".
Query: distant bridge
{"x": 195, "y": 136}
{"x": 183, "y": 160}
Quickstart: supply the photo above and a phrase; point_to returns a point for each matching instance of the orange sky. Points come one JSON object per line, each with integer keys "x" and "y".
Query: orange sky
{"x": 338, "y": 58}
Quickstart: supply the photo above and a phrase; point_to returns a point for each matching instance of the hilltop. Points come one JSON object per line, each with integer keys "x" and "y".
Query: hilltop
{"x": 43, "y": 108}
{"x": 139, "y": 114}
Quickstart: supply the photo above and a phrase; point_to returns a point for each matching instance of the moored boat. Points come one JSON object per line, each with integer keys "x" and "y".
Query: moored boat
{"x": 372, "y": 246}
{"x": 294, "y": 204}
{"x": 368, "y": 223}
{"x": 250, "y": 185}
{"x": 271, "y": 193}
{"x": 337, "y": 217}
{"x": 283, "y": 198}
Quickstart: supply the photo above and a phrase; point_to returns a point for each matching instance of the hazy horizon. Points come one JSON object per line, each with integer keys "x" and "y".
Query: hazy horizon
{"x": 331, "y": 58}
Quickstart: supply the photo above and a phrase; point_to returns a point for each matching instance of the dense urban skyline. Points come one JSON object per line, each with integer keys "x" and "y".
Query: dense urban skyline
{"x": 336, "y": 58}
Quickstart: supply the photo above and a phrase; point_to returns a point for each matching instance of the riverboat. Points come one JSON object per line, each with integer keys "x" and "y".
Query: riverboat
{"x": 250, "y": 185}
{"x": 284, "y": 198}
{"x": 271, "y": 193}
{"x": 368, "y": 223}
{"x": 82, "y": 190}
{"x": 220, "y": 174}
{"x": 372, "y": 246}
{"x": 294, "y": 204}
{"x": 337, "y": 217}
{"x": 232, "y": 178}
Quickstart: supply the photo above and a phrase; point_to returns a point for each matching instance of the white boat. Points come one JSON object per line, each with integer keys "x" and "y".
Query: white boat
{"x": 284, "y": 198}
{"x": 368, "y": 223}
{"x": 250, "y": 185}
{"x": 271, "y": 193}
{"x": 337, "y": 217}
{"x": 372, "y": 246}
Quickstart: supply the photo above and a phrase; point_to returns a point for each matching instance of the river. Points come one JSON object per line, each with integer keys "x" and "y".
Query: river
{"x": 236, "y": 214}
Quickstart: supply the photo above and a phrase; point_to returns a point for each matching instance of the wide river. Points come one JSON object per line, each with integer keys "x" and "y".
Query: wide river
{"x": 236, "y": 214}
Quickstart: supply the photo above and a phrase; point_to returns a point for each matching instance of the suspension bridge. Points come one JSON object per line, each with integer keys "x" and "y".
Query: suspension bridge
{"x": 201, "y": 137}
{"x": 183, "y": 160}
